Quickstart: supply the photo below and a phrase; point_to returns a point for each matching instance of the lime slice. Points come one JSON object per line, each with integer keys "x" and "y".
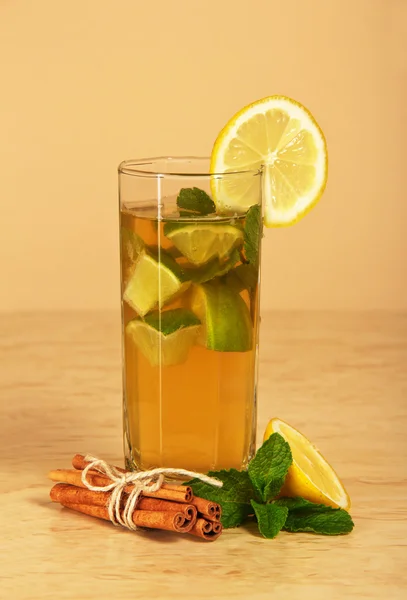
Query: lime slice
{"x": 227, "y": 326}
{"x": 131, "y": 247}
{"x": 156, "y": 279}
{"x": 165, "y": 337}
{"x": 203, "y": 241}
{"x": 280, "y": 136}
{"x": 131, "y": 244}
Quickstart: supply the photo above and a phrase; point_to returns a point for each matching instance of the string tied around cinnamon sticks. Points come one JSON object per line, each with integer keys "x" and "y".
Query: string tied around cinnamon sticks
{"x": 142, "y": 481}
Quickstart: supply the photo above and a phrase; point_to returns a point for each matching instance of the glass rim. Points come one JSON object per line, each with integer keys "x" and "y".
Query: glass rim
{"x": 133, "y": 168}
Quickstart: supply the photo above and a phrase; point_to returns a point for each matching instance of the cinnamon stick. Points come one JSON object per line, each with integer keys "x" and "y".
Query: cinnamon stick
{"x": 176, "y": 493}
{"x": 210, "y": 510}
{"x": 75, "y": 478}
{"x": 65, "y": 493}
{"x": 172, "y": 508}
{"x": 167, "y": 505}
{"x": 71, "y": 494}
{"x": 79, "y": 462}
{"x": 207, "y": 530}
{"x": 168, "y": 521}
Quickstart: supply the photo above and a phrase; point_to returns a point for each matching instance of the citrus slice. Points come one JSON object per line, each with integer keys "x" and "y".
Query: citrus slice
{"x": 281, "y": 137}
{"x": 310, "y": 476}
{"x": 156, "y": 279}
{"x": 165, "y": 338}
{"x": 226, "y": 322}
{"x": 131, "y": 247}
{"x": 203, "y": 241}
{"x": 131, "y": 244}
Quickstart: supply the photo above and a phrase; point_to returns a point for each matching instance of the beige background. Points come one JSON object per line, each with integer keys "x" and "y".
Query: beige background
{"x": 87, "y": 83}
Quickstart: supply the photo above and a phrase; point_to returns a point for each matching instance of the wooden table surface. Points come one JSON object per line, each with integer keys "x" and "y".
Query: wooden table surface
{"x": 341, "y": 378}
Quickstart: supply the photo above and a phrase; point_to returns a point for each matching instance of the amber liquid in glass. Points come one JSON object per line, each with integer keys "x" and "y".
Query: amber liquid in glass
{"x": 196, "y": 415}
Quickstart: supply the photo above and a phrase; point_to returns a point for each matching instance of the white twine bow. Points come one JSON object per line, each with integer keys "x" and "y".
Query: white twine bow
{"x": 148, "y": 481}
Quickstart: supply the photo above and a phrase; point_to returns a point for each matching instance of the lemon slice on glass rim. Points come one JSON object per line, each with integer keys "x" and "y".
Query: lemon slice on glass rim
{"x": 281, "y": 137}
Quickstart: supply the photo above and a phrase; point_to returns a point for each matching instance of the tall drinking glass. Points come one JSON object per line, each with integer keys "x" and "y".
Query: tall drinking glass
{"x": 190, "y": 313}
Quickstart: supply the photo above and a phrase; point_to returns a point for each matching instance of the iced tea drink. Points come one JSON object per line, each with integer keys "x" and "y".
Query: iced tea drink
{"x": 190, "y": 308}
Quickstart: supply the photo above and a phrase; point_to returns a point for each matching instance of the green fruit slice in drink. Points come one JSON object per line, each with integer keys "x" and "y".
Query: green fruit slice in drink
{"x": 165, "y": 338}
{"x": 156, "y": 280}
{"x": 226, "y": 322}
{"x": 131, "y": 247}
{"x": 201, "y": 242}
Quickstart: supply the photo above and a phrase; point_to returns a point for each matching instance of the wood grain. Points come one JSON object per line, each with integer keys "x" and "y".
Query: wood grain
{"x": 341, "y": 378}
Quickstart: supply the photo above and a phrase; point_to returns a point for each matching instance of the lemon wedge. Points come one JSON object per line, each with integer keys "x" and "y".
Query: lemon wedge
{"x": 281, "y": 137}
{"x": 310, "y": 476}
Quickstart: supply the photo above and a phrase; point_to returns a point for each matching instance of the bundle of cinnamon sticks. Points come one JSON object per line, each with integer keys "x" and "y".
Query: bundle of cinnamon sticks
{"x": 172, "y": 507}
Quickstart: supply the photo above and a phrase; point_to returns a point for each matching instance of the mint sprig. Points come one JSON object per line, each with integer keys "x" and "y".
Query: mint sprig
{"x": 268, "y": 469}
{"x": 254, "y": 494}
{"x": 243, "y": 277}
{"x": 169, "y": 321}
{"x": 253, "y": 232}
{"x": 195, "y": 200}
{"x": 305, "y": 516}
{"x": 215, "y": 268}
{"x": 234, "y": 496}
{"x": 270, "y": 518}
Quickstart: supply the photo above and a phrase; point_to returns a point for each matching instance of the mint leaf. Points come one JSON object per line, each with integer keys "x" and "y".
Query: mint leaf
{"x": 297, "y": 502}
{"x": 234, "y": 514}
{"x": 234, "y": 497}
{"x": 336, "y": 522}
{"x": 243, "y": 277}
{"x": 269, "y": 467}
{"x": 169, "y": 321}
{"x": 196, "y": 200}
{"x": 253, "y": 230}
{"x": 236, "y": 485}
{"x": 306, "y": 516}
{"x": 214, "y": 268}
{"x": 270, "y": 518}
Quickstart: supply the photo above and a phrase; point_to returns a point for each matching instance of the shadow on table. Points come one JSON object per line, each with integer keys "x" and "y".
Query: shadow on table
{"x": 63, "y": 520}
